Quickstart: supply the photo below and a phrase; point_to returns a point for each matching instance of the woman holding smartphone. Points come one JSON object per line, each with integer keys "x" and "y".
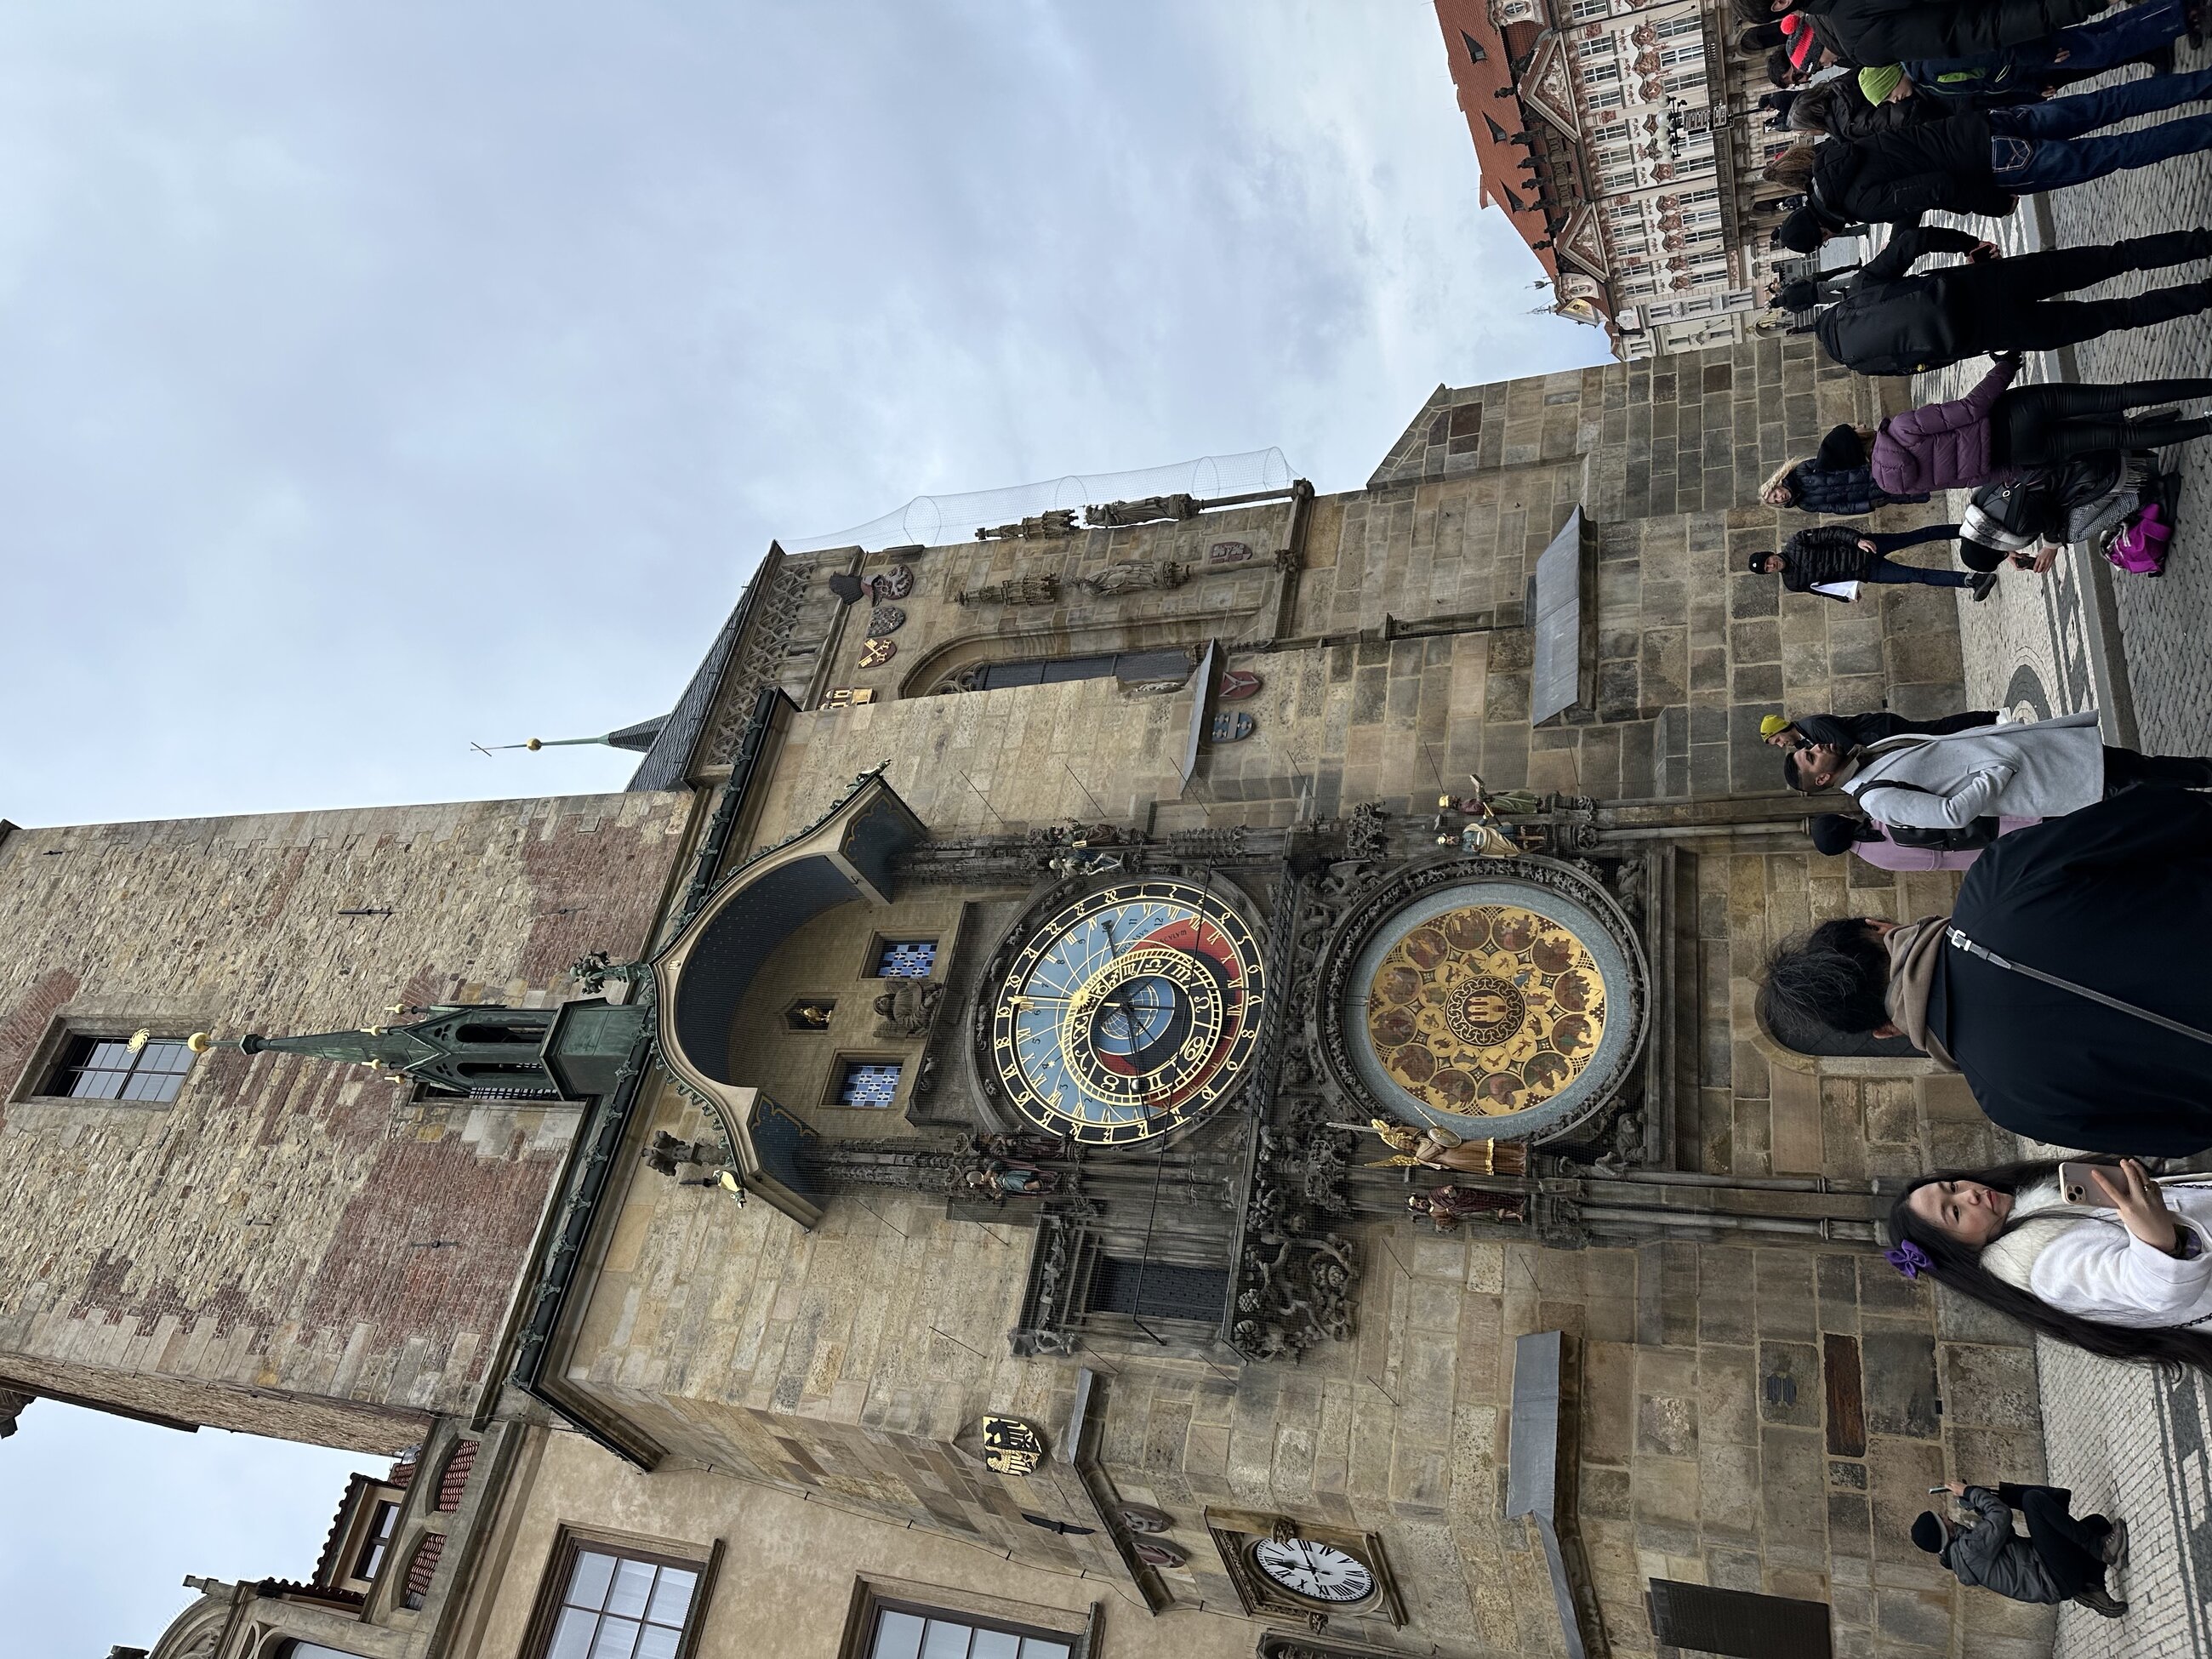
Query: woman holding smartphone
{"x": 2098, "y": 1255}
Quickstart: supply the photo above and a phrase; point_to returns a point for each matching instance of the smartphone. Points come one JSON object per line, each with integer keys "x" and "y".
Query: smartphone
{"x": 1932, "y": 1491}
{"x": 2074, "y": 1186}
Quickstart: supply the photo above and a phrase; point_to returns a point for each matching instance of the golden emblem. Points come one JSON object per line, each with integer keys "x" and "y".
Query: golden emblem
{"x": 1012, "y": 1446}
{"x": 875, "y": 653}
{"x": 1486, "y": 1011}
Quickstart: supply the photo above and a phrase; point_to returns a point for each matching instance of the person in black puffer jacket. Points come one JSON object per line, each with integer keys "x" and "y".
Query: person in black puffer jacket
{"x": 1816, "y": 560}
{"x": 1837, "y": 481}
{"x": 1875, "y": 32}
{"x": 1838, "y": 109}
{"x": 1979, "y": 160}
{"x": 1893, "y": 322}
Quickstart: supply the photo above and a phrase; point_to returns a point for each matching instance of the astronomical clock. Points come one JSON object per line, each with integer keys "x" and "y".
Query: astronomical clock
{"x": 1129, "y": 1010}
{"x": 1499, "y": 1000}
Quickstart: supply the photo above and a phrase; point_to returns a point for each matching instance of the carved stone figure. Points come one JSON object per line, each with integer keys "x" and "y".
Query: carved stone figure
{"x": 997, "y": 1180}
{"x": 1019, "y": 590}
{"x": 1135, "y": 576}
{"x": 1144, "y": 511}
{"x": 909, "y": 1009}
{"x": 1060, "y": 521}
{"x": 1450, "y": 1206}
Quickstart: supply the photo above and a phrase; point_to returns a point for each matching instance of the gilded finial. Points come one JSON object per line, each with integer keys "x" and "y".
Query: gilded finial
{"x": 200, "y": 1042}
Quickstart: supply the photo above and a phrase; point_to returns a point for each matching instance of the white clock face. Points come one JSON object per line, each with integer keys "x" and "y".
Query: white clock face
{"x": 1317, "y": 1572}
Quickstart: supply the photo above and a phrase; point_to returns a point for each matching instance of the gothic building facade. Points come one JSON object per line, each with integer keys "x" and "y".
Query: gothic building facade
{"x": 1616, "y": 136}
{"x": 1176, "y": 1078}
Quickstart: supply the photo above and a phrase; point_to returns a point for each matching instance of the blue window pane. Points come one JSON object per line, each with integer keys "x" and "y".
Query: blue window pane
{"x": 907, "y": 959}
{"x": 864, "y": 1084}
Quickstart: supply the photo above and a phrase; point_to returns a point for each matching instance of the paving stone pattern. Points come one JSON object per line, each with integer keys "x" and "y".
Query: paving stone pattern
{"x": 2124, "y": 1440}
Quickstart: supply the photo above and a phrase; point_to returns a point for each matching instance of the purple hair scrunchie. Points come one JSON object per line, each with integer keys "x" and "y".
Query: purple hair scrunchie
{"x": 1908, "y": 1258}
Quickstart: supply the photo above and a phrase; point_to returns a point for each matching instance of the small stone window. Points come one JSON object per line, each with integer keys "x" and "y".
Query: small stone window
{"x": 378, "y": 1543}
{"x": 139, "y": 1068}
{"x": 867, "y": 1083}
{"x": 911, "y": 958}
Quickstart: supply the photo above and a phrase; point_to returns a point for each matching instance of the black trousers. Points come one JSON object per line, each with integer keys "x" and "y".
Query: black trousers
{"x": 2037, "y": 425}
{"x": 2072, "y": 1546}
{"x": 2124, "y": 768}
{"x": 2012, "y": 305}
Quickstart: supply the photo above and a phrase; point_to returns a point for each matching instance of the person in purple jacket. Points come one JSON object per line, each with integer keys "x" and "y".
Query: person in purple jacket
{"x": 1996, "y": 430}
{"x": 1837, "y": 832}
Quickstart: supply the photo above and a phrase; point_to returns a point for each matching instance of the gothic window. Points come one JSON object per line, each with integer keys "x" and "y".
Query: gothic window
{"x": 111, "y": 1068}
{"x": 909, "y": 958}
{"x": 607, "y": 1602}
{"x": 867, "y": 1083}
{"x": 926, "y": 1633}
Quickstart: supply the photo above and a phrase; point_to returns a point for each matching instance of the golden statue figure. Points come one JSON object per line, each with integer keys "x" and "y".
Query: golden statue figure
{"x": 1440, "y": 1149}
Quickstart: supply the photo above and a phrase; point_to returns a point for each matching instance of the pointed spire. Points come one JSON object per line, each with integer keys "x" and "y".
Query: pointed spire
{"x": 636, "y": 738}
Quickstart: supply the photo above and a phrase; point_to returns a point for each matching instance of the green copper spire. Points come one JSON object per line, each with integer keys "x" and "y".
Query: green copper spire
{"x": 474, "y": 1049}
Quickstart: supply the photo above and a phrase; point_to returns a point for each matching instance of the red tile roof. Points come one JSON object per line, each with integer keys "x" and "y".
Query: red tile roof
{"x": 1493, "y": 112}
{"x": 423, "y": 1567}
{"x": 454, "y": 1480}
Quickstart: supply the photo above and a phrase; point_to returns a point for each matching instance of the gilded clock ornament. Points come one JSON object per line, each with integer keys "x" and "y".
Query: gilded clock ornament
{"x": 1129, "y": 1011}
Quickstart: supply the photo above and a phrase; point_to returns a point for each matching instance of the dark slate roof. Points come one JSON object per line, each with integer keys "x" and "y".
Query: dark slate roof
{"x": 669, "y": 760}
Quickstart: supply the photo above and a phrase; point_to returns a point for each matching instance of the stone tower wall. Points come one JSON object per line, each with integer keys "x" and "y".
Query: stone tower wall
{"x": 287, "y": 1227}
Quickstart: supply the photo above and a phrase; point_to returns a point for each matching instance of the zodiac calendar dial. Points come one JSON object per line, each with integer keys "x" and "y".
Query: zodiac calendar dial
{"x": 1130, "y": 1012}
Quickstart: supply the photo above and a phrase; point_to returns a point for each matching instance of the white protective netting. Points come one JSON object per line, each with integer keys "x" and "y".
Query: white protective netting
{"x": 942, "y": 521}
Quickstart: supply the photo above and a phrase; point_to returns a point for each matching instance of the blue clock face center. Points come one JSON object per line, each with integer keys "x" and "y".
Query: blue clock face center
{"x": 1132, "y": 1009}
{"x": 1138, "y": 1023}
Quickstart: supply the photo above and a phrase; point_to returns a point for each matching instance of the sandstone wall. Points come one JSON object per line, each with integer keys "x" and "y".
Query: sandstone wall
{"x": 287, "y": 1226}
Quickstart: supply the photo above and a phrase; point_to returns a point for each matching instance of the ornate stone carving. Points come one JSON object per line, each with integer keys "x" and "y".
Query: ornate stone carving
{"x": 1296, "y": 1277}
{"x": 1135, "y": 576}
{"x": 1017, "y": 590}
{"x": 1111, "y": 514}
{"x": 909, "y": 1009}
{"x": 1060, "y": 521}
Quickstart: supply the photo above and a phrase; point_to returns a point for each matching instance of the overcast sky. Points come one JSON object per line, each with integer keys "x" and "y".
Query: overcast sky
{"x": 382, "y": 377}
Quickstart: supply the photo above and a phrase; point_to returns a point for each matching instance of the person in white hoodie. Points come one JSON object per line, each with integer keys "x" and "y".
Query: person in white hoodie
{"x": 2126, "y": 1273}
{"x": 2033, "y": 769}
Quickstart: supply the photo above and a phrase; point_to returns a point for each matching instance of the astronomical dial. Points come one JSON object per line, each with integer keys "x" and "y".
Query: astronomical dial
{"x": 1130, "y": 1012}
{"x": 1313, "y": 1572}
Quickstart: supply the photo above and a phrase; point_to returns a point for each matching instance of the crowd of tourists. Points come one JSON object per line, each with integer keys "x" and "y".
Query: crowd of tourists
{"x": 2061, "y": 985}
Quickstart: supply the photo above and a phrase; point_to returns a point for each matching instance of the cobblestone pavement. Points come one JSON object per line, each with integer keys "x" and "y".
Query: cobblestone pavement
{"x": 2134, "y": 1446}
{"x": 2129, "y": 1442}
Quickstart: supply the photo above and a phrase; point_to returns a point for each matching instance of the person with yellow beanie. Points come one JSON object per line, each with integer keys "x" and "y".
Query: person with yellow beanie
{"x": 1788, "y": 733}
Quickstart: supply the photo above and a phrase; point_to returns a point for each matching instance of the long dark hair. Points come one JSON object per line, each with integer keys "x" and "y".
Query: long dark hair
{"x": 1960, "y": 1267}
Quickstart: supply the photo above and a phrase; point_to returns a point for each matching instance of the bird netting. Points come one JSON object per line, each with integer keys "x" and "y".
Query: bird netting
{"x": 941, "y": 521}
